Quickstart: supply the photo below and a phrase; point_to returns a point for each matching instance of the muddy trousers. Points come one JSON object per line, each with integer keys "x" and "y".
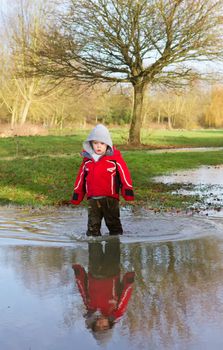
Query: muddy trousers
{"x": 107, "y": 208}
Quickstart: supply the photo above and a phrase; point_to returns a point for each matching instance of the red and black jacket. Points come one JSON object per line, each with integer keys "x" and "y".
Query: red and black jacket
{"x": 104, "y": 294}
{"x": 103, "y": 178}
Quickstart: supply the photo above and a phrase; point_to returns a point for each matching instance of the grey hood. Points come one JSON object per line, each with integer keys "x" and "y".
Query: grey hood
{"x": 99, "y": 133}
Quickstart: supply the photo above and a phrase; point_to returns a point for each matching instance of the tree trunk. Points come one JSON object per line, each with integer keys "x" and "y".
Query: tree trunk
{"x": 169, "y": 123}
{"x": 158, "y": 118}
{"x": 24, "y": 112}
{"x": 27, "y": 103}
{"x": 13, "y": 118}
{"x": 137, "y": 113}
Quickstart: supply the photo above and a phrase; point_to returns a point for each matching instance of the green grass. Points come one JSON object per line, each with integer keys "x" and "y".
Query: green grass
{"x": 196, "y": 138}
{"x": 49, "y": 181}
{"x": 40, "y": 145}
{"x": 40, "y": 171}
{"x": 71, "y": 144}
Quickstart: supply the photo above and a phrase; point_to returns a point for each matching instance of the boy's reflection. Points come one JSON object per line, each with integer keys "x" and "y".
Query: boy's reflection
{"x": 104, "y": 294}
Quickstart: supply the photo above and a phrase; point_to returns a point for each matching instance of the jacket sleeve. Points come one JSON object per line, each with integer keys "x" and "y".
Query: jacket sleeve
{"x": 79, "y": 186}
{"x": 125, "y": 178}
{"x": 81, "y": 280}
{"x": 126, "y": 293}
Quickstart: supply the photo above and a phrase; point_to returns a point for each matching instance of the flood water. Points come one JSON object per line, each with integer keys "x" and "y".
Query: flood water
{"x": 160, "y": 284}
{"x": 207, "y": 184}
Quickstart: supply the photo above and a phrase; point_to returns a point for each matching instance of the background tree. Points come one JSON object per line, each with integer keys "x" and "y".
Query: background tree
{"x": 178, "y": 110}
{"x": 214, "y": 112}
{"x": 18, "y": 93}
{"x": 141, "y": 42}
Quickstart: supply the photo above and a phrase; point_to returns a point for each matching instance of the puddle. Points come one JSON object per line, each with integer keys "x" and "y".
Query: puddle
{"x": 205, "y": 175}
{"x": 207, "y": 184}
{"x": 161, "y": 283}
{"x": 66, "y": 227}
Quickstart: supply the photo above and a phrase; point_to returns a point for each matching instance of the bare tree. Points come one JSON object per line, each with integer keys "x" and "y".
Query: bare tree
{"x": 214, "y": 111}
{"x": 18, "y": 93}
{"x": 24, "y": 95}
{"x": 141, "y": 42}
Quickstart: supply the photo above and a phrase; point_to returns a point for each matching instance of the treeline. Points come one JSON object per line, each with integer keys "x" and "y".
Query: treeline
{"x": 34, "y": 101}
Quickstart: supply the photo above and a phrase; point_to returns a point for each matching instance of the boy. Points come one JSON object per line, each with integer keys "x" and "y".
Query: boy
{"x": 105, "y": 292}
{"x": 102, "y": 174}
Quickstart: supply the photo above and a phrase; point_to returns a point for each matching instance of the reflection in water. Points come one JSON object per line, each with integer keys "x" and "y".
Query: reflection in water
{"x": 104, "y": 294}
{"x": 178, "y": 294}
{"x": 176, "y": 301}
{"x": 207, "y": 184}
{"x": 205, "y": 175}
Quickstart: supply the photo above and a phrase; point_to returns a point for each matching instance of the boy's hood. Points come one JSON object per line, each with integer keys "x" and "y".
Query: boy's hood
{"x": 99, "y": 133}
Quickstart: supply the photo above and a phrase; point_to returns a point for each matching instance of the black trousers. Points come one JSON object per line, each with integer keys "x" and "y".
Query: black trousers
{"x": 105, "y": 262}
{"x": 107, "y": 208}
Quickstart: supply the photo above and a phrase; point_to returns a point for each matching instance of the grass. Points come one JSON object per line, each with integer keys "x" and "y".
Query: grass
{"x": 40, "y": 171}
{"x": 25, "y": 146}
{"x": 182, "y": 138}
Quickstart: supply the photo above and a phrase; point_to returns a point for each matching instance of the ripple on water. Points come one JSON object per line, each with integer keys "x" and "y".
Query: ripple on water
{"x": 66, "y": 227}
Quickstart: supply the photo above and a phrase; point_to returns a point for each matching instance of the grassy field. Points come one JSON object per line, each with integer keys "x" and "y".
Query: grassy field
{"x": 71, "y": 144}
{"x": 40, "y": 171}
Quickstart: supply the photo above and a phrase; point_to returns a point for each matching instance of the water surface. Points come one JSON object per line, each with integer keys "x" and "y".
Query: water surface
{"x": 205, "y": 182}
{"x": 176, "y": 299}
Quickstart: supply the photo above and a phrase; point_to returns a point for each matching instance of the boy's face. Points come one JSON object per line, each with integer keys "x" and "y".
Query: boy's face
{"x": 102, "y": 324}
{"x": 99, "y": 147}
